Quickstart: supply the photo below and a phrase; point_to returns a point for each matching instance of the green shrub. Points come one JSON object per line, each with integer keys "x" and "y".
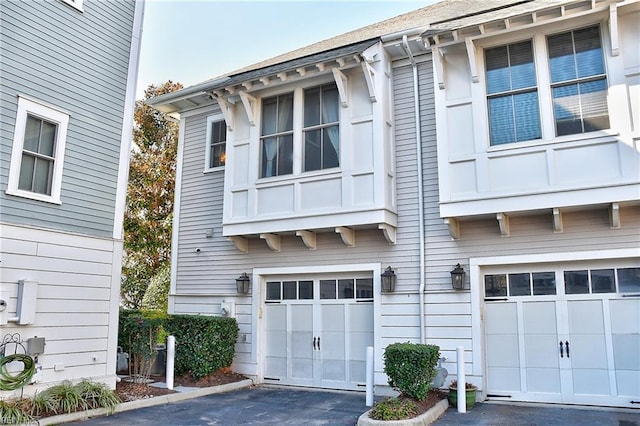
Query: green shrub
{"x": 204, "y": 344}
{"x": 157, "y": 295}
{"x": 12, "y": 412}
{"x": 394, "y": 409}
{"x": 411, "y": 368}
{"x": 138, "y": 334}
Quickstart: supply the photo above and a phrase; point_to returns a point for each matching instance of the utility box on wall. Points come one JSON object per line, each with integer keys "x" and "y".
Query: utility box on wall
{"x": 27, "y": 296}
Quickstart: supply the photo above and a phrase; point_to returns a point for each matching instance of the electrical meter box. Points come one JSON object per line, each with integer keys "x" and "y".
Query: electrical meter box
{"x": 35, "y": 345}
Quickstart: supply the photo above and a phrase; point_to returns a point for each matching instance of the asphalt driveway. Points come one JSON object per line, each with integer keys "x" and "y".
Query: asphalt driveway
{"x": 265, "y": 405}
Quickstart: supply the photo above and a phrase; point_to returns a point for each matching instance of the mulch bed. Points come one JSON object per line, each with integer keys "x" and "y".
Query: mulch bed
{"x": 128, "y": 391}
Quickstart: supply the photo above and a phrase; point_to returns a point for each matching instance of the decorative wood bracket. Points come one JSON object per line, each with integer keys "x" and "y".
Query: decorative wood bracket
{"x": 557, "y": 221}
{"x": 389, "y": 232}
{"x": 614, "y": 216}
{"x": 272, "y": 240}
{"x": 226, "y": 108}
{"x": 250, "y": 106}
{"x": 503, "y": 222}
{"x": 308, "y": 238}
{"x": 348, "y": 235}
{"x": 471, "y": 53}
{"x": 241, "y": 243}
{"x": 341, "y": 82}
{"x": 454, "y": 227}
{"x": 369, "y": 75}
{"x": 438, "y": 59}
{"x": 613, "y": 29}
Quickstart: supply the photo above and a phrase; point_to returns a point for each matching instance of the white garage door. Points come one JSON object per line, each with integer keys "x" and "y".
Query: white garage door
{"x": 569, "y": 335}
{"x": 317, "y": 331}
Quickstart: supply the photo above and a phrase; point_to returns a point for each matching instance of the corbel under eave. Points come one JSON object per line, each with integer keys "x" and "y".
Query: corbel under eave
{"x": 613, "y": 29}
{"x": 454, "y": 227}
{"x": 341, "y": 82}
{"x": 347, "y": 235}
{"x": 557, "y": 221}
{"x": 471, "y": 53}
{"x": 389, "y": 232}
{"x": 369, "y": 74}
{"x": 614, "y": 216}
{"x": 241, "y": 243}
{"x": 438, "y": 59}
{"x": 308, "y": 238}
{"x": 250, "y": 106}
{"x": 272, "y": 240}
{"x": 503, "y": 222}
{"x": 226, "y": 108}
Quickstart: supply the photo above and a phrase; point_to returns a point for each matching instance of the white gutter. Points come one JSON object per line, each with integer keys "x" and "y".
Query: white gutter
{"x": 421, "y": 239}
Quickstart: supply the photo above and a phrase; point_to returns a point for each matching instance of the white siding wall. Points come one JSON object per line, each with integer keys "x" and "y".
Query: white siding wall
{"x": 77, "y": 300}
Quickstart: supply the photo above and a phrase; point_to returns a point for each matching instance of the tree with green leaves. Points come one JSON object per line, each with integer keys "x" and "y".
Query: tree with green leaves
{"x": 149, "y": 211}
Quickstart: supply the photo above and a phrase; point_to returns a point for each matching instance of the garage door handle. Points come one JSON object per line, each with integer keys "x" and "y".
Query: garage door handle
{"x": 318, "y": 343}
{"x": 561, "y": 349}
{"x": 567, "y": 345}
{"x": 314, "y": 343}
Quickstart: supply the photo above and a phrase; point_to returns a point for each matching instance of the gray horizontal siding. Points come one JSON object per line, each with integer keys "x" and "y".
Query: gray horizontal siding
{"x": 77, "y": 62}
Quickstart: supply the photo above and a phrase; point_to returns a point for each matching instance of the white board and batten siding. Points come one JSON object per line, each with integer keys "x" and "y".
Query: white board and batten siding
{"x": 76, "y": 300}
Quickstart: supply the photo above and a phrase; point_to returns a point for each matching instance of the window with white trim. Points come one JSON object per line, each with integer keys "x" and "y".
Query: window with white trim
{"x": 38, "y": 151}
{"x": 319, "y": 132}
{"x": 578, "y": 87}
{"x": 216, "y": 151}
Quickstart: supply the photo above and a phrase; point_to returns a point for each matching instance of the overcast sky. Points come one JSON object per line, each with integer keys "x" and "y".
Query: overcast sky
{"x": 193, "y": 41}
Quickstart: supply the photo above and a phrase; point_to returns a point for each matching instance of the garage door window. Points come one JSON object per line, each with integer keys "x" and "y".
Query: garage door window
{"x": 523, "y": 284}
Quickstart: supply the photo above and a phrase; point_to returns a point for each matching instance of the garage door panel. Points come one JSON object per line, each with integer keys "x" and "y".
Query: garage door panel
{"x": 332, "y": 345}
{"x": 543, "y": 380}
{"x": 275, "y": 366}
{"x": 626, "y": 351}
{"x": 502, "y": 351}
{"x": 276, "y": 343}
{"x": 588, "y": 351}
{"x": 503, "y": 379}
{"x": 333, "y": 317}
{"x": 539, "y": 318}
{"x": 302, "y": 368}
{"x": 628, "y": 382}
{"x": 358, "y": 371}
{"x": 357, "y": 342}
{"x": 333, "y": 370}
{"x": 501, "y": 318}
{"x": 541, "y": 351}
{"x": 586, "y": 317}
{"x": 591, "y": 382}
{"x": 625, "y": 316}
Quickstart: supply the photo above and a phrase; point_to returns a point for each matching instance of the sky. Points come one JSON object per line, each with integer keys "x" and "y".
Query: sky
{"x": 190, "y": 41}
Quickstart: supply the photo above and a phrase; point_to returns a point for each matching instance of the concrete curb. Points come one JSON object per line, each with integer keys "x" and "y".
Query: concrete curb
{"x": 142, "y": 403}
{"x": 424, "y": 419}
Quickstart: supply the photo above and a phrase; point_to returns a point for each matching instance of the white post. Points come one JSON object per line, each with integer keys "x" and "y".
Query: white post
{"x": 171, "y": 354}
{"x": 462, "y": 398}
{"x": 369, "y": 367}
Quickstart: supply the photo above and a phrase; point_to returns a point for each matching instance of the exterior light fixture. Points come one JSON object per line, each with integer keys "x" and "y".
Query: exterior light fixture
{"x": 242, "y": 283}
{"x": 457, "y": 278}
{"x": 388, "y": 280}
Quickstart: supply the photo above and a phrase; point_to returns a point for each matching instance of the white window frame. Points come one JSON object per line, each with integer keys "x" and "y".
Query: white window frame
{"x": 207, "y": 155}
{"x": 48, "y": 113}
{"x": 77, "y": 4}
{"x": 543, "y": 78}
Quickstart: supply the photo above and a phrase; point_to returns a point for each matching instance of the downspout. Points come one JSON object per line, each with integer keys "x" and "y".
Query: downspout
{"x": 421, "y": 239}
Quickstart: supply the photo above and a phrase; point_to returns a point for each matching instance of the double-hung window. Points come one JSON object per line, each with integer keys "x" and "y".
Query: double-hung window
{"x": 309, "y": 144}
{"x": 276, "y": 142}
{"x": 321, "y": 128}
{"x": 216, "y": 154}
{"x": 578, "y": 87}
{"x": 514, "y": 114}
{"x": 38, "y": 150}
{"x": 578, "y": 81}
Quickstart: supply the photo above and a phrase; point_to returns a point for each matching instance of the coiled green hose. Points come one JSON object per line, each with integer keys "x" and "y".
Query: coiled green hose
{"x": 9, "y": 381}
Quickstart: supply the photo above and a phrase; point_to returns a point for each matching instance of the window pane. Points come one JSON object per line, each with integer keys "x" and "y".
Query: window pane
{"x": 629, "y": 280}
{"x": 497, "y": 63}
{"x": 522, "y": 69}
{"x": 330, "y": 109}
{"x": 561, "y": 57}
{"x": 593, "y": 97}
{"x": 311, "y": 107}
{"x": 42, "y": 176}
{"x": 527, "y": 116}
{"x": 218, "y": 131}
{"x": 495, "y": 285}
{"x": 519, "y": 285}
{"x": 269, "y": 114}
{"x": 273, "y": 290}
{"x": 330, "y": 147}
{"x": 305, "y": 290}
{"x": 576, "y": 282}
{"x": 312, "y": 157}
{"x": 566, "y": 108}
{"x": 345, "y": 289}
{"x": 269, "y": 155}
{"x": 32, "y": 134}
{"x": 327, "y": 289}
{"x": 589, "y": 59}
{"x": 602, "y": 281}
{"x": 364, "y": 288}
{"x": 26, "y": 172}
{"x": 544, "y": 283}
{"x": 285, "y": 155}
{"x": 47, "y": 139}
{"x": 289, "y": 291}
{"x": 501, "y": 120}
{"x": 285, "y": 113}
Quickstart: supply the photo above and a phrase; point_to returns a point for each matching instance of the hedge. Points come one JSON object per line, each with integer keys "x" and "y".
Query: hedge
{"x": 411, "y": 368}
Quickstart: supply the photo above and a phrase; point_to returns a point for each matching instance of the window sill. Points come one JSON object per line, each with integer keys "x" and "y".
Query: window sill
{"x": 34, "y": 196}
{"x": 596, "y": 137}
{"x": 306, "y": 176}
{"x": 213, "y": 169}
